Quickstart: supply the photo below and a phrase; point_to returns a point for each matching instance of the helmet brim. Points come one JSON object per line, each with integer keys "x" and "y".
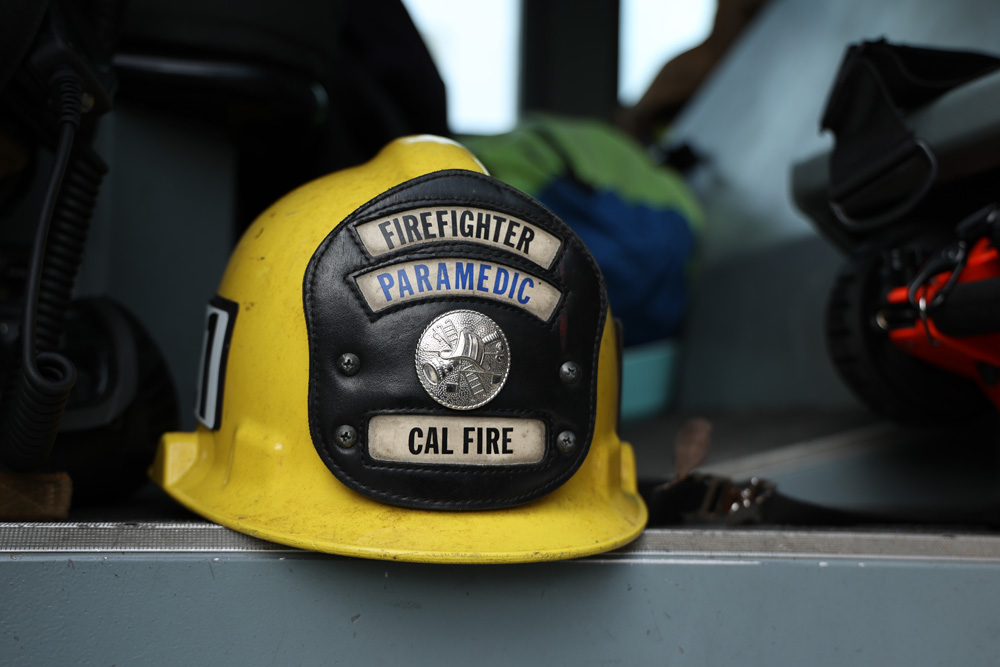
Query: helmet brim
{"x": 320, "y": 514}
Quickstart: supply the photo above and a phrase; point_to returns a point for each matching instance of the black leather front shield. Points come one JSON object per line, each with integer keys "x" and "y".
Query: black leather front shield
{"x": 376, "y": 288}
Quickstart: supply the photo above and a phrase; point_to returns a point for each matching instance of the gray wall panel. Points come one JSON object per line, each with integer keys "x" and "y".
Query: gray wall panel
{"x": 163, "y": 231}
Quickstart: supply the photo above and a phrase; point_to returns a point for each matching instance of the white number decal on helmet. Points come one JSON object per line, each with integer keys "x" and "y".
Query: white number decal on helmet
{"x": 220, "y": 316}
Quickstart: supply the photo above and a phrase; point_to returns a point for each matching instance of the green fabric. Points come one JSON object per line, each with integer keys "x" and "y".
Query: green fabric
{"x": 600, "y": 155}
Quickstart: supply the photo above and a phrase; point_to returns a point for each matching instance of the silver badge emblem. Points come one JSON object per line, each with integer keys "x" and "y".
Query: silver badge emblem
{"x": 462, "y": 359}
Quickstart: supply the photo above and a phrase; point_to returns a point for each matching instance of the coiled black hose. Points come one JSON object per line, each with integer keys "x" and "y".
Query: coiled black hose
{"x": 35, "y": 411}
{"x": 45, "y": 379}
{"x": 66, "y": 241}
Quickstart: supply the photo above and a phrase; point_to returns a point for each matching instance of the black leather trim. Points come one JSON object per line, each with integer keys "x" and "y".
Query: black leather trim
{"x": 339, "y": 321}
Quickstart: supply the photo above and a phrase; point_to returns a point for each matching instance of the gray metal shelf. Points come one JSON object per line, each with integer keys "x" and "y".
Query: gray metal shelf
{"x": 177, "y": 593}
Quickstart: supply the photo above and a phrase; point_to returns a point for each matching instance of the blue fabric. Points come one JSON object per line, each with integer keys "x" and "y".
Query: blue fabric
{"x": 643, "y": 253}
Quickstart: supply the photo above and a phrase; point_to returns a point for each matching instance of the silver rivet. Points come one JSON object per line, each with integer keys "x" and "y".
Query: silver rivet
{"x": 348, "y": 363}
{"x": 566, "y": 442}
{"x": 569, "y": 373}
{"x": 346, "y": 436}
{"x": 881, "y": 320}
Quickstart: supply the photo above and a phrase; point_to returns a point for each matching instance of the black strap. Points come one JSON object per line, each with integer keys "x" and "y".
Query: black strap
{"x": 879, "y": 169}
{"x": 712, "y": 499}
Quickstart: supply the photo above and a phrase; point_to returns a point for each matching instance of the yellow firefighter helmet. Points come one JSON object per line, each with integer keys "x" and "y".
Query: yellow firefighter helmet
{"x": 411, "y": 360}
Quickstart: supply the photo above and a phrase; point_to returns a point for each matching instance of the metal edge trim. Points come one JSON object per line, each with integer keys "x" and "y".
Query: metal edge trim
{"x": 652, "y": 545}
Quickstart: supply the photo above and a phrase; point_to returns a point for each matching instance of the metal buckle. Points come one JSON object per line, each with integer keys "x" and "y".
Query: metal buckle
{"x": 734, "y": 503}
